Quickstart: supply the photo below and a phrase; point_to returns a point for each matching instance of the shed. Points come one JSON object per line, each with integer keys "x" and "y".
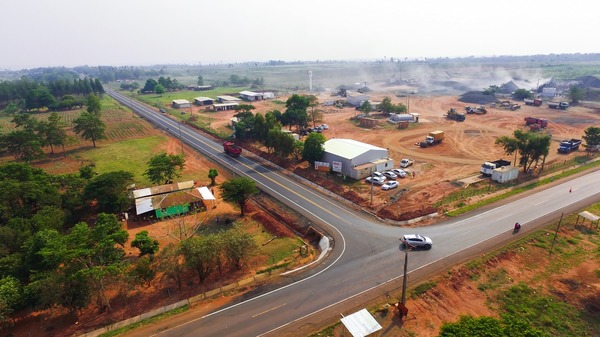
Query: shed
{"x": 203, "y": 101}
{"x": 227, "y": 99}
{"x": 360, "y": 324}
{"x": 268, "y": 95}
{"x": 356, "y": 159}
{"x": 549, "y": 92}
{"x": 181, "y": 103}
{"x": 203, "y": 87}
{"x": 251, "y": 95}
{"x": 505, "y": 174}
{"x": 356, "y": 99}
{"x": 224, "y": 106}
{"x": 589, "y": 216}
{"x": 397, "y": 118}
{"x": 171, "y": 199}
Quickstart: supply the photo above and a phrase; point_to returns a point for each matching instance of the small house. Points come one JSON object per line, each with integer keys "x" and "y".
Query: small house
{"x": 251, "y": 96}
{"x": 356, "y": 99}
{"x": 225, "y": 106}
{"x": 369, "y": 122}
{"x": 505, "y": 174}
{"x": 227, "y": 98}
{"x": 181, "y": 103}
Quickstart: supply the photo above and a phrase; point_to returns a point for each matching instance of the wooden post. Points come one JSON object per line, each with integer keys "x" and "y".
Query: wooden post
{"x": 556, "y": 233}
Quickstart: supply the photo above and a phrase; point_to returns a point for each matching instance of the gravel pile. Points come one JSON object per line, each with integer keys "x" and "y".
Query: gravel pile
{"x": 589, "y": 81}
{"x": 476, "y": 97}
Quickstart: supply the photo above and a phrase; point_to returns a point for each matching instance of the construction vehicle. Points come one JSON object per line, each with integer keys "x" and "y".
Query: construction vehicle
{"x": 435, "y": 137}
{"x": 480, "y": 110}
{"x": 570, "y": 145}
{"x": 536, "y": 124}
{"x": 558, "y": 105}
{"x": 488, "y": 167}
{"x": 231, "y": 149}
{"x": 534, "y": 102}
{"x": 455, "y": 115}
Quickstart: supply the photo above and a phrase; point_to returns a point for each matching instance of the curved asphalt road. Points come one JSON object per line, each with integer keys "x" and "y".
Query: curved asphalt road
{"x": 366, "y": 256}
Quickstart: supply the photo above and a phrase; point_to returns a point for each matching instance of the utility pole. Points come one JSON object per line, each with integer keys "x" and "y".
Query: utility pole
{"x": 404, "y": 281}
{"x": 556, "y": 233}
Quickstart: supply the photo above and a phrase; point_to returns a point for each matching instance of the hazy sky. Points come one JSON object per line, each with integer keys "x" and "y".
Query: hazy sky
{"x": 40, "y": 33}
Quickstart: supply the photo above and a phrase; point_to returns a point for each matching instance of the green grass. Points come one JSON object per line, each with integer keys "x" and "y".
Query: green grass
{"x": 422, "y": 288}
{"x": 495, "y": 280}
{"x": 134, "y": 326}
{"x": 127, "y": 155}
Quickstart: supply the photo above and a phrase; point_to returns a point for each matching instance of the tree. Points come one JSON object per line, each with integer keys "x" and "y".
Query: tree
{"x": 592, "y": 136}
{"x": 109, "y": 190}
{"x": 145, "y": 243}
{"x": 200, "y": 254}
{"x": 159, "y": 89}
{"x": 521, "y": 94}
{"x": 149, "y": 86}
{"x": 315, "y": 114}
{"x": 212, "y": 174}
{"x": 163, "y": 168}
{"x": 200, "y": 80}
{"x": 52, "y": 132}
{"x": 11, "y": 296}
{"x": 295, "y": 114}
{"x": 93, "y": 105}
{"x": 366, "y": 107}
{"x": 576, "y": 94}
{"x": 237, "y": 191}
{"x": 386, "y": 105}
{"x": 170, "y": 264}
{"x": 89, "y": 127}
{"x": 237, "y": 245}
{"x": 22, "y": 145}
{"x": 313, "y": 147}
{"x": 142, "y": 271}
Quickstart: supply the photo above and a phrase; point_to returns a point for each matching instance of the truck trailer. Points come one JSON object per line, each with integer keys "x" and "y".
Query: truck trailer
{"x": 534, "y": 102}
{"x": 435, "y": 137}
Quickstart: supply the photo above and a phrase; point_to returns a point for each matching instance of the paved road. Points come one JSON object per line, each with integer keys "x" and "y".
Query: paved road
{"x": 366, "y": 255}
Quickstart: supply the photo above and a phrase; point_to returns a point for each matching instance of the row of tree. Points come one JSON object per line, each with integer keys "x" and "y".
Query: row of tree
{"x": 31, "y": 95}
{"x": 162, "y": 85}
{"x": 533, "y": 147}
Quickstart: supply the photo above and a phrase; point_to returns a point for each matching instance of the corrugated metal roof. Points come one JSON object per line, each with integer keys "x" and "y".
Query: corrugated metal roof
{"x": 143, "y": 205}
{"x": 228, "y": 98}
{"x": 202, "y": 99}
{"x": 144, "y": 192}
{"x": 348, "y": 148}
{"x": 181, "y": 101}
{"x": 205, "y": 193}
{"x": 249, "y": 93}
{"x": 361, "y": 323}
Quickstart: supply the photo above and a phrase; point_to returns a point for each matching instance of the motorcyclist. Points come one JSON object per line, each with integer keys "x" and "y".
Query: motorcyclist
{"x": 517, "y": 226}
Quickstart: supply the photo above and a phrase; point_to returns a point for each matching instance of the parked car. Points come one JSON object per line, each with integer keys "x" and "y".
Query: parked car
{"x": 388, "y": 185}
{"x": 399, "y": 172}
{"x": 378, "y": 174}
{"x": 375, "y": 180}
{"x": 162, "y": 110}
{"x": 406, "y": 162}
{"x": 324, "y": 126}
{"x": 390, "y": 175}
{"x": 416, "y": 241}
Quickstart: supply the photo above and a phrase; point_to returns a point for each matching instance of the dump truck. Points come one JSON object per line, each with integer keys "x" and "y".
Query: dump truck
{"x": 570, "y": 145}
{"x": 488, "y": 167}
{"x": 455, "y": 115}
{"x": 231, "y": 149}
{"x": 534, "y": 102}
{"x": 536, "y": 124}
{"x": 435, "y": 137}
{"x": 558, "y": 105}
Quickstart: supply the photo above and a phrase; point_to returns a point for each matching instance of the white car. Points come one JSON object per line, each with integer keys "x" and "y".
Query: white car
{"x": 406, "y": 162}
{"x": 416, "y": 241}
{"x": 375, "y": 180}
{"x": 388, "y": 185}
{"x": 390, "y": 175}
{"x": 399, "y": 172}
{"x": 324, "y": 126}
{"x": 378, "y": 175}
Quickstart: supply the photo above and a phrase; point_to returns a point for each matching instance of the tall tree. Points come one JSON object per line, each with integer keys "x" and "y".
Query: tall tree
{"x": 200, "y": 80}
{"x": 22, "y": 145}
{"x": 146, "y": 244}
{"x": 159, "y": 89}
{"x": 295, "y": 113}
{"x": 212, "y": 175}
{"x": 163, "y": 168}
{"x": 532, "y": 147}
{"x": 576, "y": 94}
{"x": 238, "y": 245}
{"x": 200, "y": 254}
{"x": 313, "y": 147}
{"x": 592, "y": 136}
{"x": 89, "y": 127}
{"x": 93, "y": 105}
{"x": 237, "y": 191}
{"x": 52, "y": 132}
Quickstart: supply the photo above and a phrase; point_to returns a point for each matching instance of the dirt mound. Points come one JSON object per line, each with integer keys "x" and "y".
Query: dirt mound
{"x": 477, "y": 97}
{"x": 589, "y": 81}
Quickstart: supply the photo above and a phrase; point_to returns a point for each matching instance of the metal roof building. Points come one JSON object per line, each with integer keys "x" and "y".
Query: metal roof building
{"x": 181, "y": 103}
{"x": 227, "y": 98}
{"x": 356, "y": 159}
{"x": 251, "y": 95}
{"x": 171, "y": 199}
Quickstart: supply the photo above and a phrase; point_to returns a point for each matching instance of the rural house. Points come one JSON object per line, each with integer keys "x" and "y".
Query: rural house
{"x": 227, "y": 99}
{"x": 171, "y": 199}
{"x": 251, "y": 96}
{"x": 203, "y": 101}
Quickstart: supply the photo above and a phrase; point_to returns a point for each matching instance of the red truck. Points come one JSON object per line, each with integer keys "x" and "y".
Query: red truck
{"x": 536, "y": 123}
{"x": 231, "y": 149}
{"x": 534, "y": 102}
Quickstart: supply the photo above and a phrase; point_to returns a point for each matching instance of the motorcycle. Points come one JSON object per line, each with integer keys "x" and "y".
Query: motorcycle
{"x": 517, "y": 228}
